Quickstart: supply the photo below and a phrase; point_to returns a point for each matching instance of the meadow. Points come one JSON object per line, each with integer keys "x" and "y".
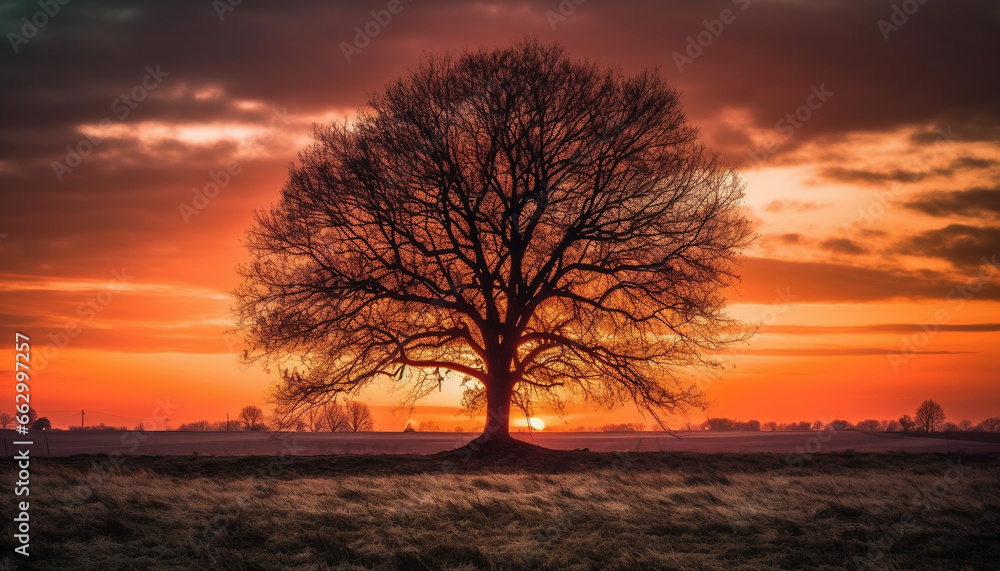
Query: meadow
{"x": 545, "y": 510}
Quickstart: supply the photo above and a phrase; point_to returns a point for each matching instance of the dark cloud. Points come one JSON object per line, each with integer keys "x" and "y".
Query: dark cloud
{"x": 972, "y": 202}
{"x": 973, "y": 163}
{"x": 790, "y": 238}
{"x": 837, "y": 352}
{"x": 770, "y": 281}
{"x": 931, "y": 71}
{"x": 963, "y": 246}
{"x": 870, "y": 177}
{"x": 843, "y": 246}
{"x": 879, "y": 329}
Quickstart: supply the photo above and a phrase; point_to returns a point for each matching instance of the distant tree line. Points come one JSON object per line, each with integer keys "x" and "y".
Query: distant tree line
{"x": 351, "y": 416}
{"x": 99, "y": 427}
{"x": 929, "y": 417}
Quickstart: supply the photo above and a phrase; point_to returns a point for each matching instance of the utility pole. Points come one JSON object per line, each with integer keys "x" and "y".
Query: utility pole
{"x": 227, "y": 422}
{"x": 81, "y": 420}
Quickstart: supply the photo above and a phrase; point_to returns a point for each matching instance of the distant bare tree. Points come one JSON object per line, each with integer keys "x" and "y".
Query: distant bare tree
{"x": 950, "y": 427}
{"x": 6, "y": 419}
{"x": 359, "y": 416}
{"x": 43, "y": 423}
{"x": 893, "y": 426}
{"x": 929, "y": 416}
{"x": 965, "y": 425}
{"x": 200, "y": 425}
{"x": 907, "y": 423}
{"x": 869, "y": 425}
{"x": 991, "y": 424}
{"x": 313, "y": 420}
{"x": 536, "y": 226}
{"x": 333, "y": 417}
{"x": 252, "y": 418}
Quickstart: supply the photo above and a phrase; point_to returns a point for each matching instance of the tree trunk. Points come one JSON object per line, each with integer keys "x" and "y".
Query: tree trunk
{"x": 498, "y": 395}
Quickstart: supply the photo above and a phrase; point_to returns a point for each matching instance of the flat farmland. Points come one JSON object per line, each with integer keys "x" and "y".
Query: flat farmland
{"x": 67, "y": 443}
{"x": 542, "y": 510}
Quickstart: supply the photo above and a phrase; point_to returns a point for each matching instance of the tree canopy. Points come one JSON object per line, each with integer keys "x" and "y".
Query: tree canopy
{"x": 536, "y": 226}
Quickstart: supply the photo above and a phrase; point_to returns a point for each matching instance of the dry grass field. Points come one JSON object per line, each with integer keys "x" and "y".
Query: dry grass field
{"x": 552, "y": 510}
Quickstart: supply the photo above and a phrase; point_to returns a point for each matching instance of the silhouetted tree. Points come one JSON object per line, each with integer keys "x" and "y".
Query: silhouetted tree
{"x": 965, "y": 425}
{"x": 359, "y": 416}
{"x": 907, "y": 423}
{"x": 43, "y": 423}
{"x": 334, "y": 417}
{"x": 893, "y": 426}
{"x": 717, "y": 424}
{"x": 991, "y": 424}
{"x": 313, "y": 420}
{"x": 537, "y": 226}
{"x": 869, "y": 425}
{"x": 429, "y": 426}
{"x": 6, "y": 419}
{"x": 199, "y": 425}
{"x": 252, "y": 418}
{"x": 950, "y": 427}
{"x": 839, "y": 425}
{"x": 929, "y": 416}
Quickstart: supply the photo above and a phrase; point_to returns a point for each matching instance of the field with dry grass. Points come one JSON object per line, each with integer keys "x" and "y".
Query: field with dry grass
{"x": 551, "y": 510}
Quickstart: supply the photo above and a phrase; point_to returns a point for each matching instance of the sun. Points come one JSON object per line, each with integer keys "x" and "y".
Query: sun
{"x": 536, "y": 423}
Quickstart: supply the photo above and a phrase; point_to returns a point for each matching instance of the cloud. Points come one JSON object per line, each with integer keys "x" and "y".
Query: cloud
{"x": 961, "y": 245}
{"x": 819, "y": 282}
{"x": 843, "y": 246}
{"x": 973, "y": 163}
{"x": 791, "y": 206}
{"x": 837, "y": 352}
{"x": 870, "y": 177}
{"x": 877, "y": 329}
{"x": 977, "y": 201}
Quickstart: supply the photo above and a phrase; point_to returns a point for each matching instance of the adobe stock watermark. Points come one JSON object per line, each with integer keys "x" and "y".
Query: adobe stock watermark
{"x": 899, "y": 16}
{"x": 912, "y": 343}
{"x": 883, "y": 199}
{"x": 30, "y": 25}
{"x": 370, "y": 30}
{"x": 122, "y": 107}
{"x": 789, "y": 124}
{"x": 223, "y": 177}
{"x": 262, "y": 478}
{"x": 87, "y": 312}
{"x": 698, "y": 43}
{"x": 131, "y": 440}
{"x": 223, "y": 7}
{"x": 704, "y": 379}
{"x": 920, "y": 504}
{"x": 762, "y": 496}
{"x": 562, "y": 12}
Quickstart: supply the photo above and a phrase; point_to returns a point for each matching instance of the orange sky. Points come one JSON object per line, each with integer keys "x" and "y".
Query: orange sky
{"x": 875, "y": 207}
